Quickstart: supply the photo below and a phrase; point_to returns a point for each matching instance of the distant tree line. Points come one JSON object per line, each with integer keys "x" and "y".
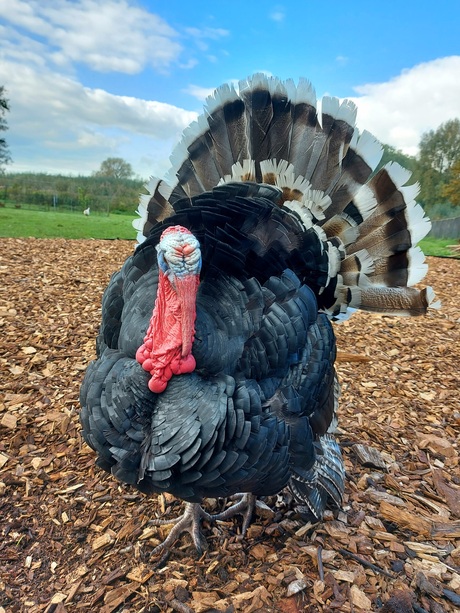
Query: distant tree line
{"x": 112, "y": 190}
{"x": 109, "y": 190}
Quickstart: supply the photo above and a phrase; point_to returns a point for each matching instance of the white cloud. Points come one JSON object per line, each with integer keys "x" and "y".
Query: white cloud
{"x": 113, "y": 35}
{"x": 341, "y": 60}
{"x": 206, "y": 32}
{"x": 201, "y": 93}
{"x": 277, "y": 14}
{"x": 419, "y": 99}
{"x": 20, "y": 48}
{"x": 202, "y": 36}
{"x": 58, "y": 125}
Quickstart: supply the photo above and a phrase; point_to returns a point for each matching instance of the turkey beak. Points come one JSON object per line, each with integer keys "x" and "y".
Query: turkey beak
{"x": 186, "y": 288}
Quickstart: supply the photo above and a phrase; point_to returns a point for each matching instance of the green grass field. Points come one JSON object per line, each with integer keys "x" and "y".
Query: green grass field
{"x": 22, "y": 223}
{"x": 439, "y": 247}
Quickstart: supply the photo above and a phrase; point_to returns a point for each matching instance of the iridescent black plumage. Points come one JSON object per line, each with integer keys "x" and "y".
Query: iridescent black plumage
{"x": 293, "y": 228}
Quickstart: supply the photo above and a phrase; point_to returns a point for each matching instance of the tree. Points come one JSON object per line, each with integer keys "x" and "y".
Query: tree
{"x": 390, "y": 154}
{"x": 439, "y": 151}
{"x": 4, "y": 152}
{"x": 452, "y": 189}
{"x": 116, "y": 168}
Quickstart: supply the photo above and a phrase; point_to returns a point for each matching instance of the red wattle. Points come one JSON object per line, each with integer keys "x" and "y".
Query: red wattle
{"x": 167, "y": 346}
{"x": 148, "y": 364}
{"x": 187, "y": 364}
{"x": 157, "y": 385}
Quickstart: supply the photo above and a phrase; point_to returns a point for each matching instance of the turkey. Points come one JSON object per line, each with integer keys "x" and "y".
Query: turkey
{"x": 215, "y": 375}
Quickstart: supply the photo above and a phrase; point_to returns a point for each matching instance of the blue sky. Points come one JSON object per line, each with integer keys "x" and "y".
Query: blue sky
{"x": 89, "y": 80}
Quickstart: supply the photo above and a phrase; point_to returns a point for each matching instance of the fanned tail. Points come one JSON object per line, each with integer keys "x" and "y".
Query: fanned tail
{"x": 365, "y": 225}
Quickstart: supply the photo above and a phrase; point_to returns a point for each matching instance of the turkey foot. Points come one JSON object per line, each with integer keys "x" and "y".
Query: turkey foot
{"x": 245, "y": 506}
{"x": 189, "y": 522}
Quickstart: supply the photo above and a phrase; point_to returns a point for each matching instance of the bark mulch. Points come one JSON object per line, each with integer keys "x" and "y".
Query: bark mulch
{"x": 73, "y": 539}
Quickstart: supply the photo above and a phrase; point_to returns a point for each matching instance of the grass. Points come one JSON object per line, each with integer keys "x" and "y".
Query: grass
{"x": 438, "y": 246}
{"x": 21, "y": 223}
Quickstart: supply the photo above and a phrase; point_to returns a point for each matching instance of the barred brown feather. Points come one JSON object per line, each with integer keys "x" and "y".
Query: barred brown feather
{"x": 270, "y": 131}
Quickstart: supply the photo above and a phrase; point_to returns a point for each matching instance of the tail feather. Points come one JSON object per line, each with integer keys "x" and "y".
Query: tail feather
{"x": 153, "y": 207}
{"x": 400, "y": 269}
{"x": 281, "y": 128}
{"x": 258, "y": 103}
{"x": 269, "y": 131}
{"x": 196, "y": 160}
{"x": 324, "y": 484}
{"x": 387, "y": 300}
{"x": 235, "y": 120}
{"x": 222, "y": 123}
{"x": 268, "y": 108}
{"x": 332, "y": 140}
{"x": 203, "y": 156}
{"x": 362, "y": 156}
{"x": 304, "y": 122}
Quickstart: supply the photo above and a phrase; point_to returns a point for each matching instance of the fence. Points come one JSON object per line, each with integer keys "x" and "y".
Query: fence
{"x": 445, "y": 228}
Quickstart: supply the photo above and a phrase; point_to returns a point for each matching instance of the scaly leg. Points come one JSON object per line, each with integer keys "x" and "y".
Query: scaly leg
{"x": 189, "y": 522}
{"x": 245, "y": 506}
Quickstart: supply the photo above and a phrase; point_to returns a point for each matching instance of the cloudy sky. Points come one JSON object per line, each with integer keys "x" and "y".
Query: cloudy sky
{"x": 88, "y": 79}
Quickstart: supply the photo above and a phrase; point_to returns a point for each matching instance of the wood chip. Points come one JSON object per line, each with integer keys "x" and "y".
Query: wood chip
{"x": 70, "y": 529}
{"x": 296, "y": 586}
{"x": 58, "y": 597}
{"x": 437, "y": 444}
{"x": 29, "y": 350}
{"x": 420, "y": 525}
{"x": 10, "y": 421}
{"x": 369, "y": 456}
{"x": 141, "y": 573}
{"x": 359, "y": 598}
{"x": 378, "y": 496}
{"x": 114, "y": 598}
{"x": 344, "y": 575}
{"x": 102, "y": 541}
{"x": 449, "y": 494}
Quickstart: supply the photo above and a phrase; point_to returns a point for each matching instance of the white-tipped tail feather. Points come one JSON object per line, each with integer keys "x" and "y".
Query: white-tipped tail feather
{"x": 269, "y": 131}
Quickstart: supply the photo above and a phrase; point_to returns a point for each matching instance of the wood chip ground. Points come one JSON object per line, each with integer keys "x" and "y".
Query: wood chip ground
{"x": 73, "y": 539}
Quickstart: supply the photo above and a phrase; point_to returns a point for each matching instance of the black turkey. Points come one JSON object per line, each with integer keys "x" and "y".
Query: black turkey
{"x": 215, "y": 372}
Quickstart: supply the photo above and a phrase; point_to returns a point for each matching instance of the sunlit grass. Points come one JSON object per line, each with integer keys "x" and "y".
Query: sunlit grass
{"x": 438, "y": 247}
{"x": 22, "y": 223}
